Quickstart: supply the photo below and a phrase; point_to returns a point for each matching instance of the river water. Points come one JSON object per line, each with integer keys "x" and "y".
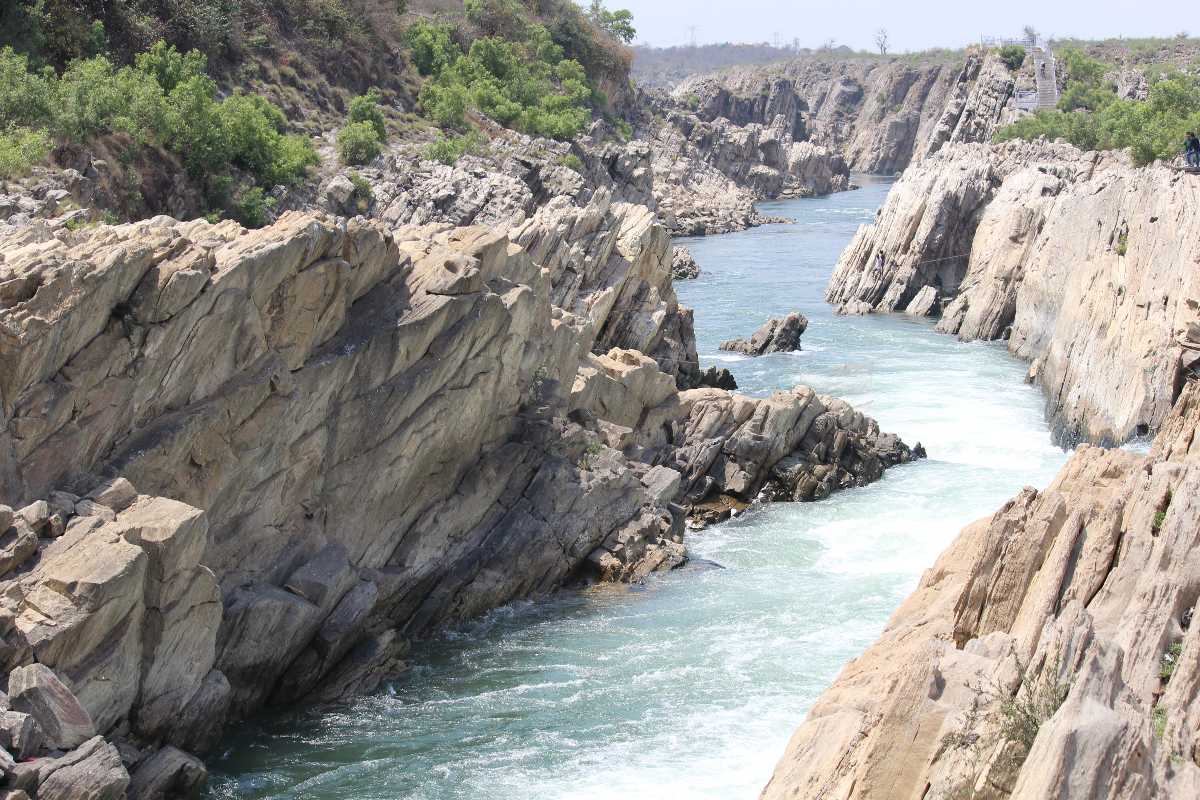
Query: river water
{"x": 689, "y": 686}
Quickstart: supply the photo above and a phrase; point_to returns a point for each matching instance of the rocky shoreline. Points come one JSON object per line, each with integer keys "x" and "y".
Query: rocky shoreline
{"x": 1050, "y": 652}
{"x": 1080, "y": 261}
{"x": 251, "y": 466}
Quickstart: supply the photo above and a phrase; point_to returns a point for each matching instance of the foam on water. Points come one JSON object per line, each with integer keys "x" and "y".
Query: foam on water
{"x": 689, "y": 686}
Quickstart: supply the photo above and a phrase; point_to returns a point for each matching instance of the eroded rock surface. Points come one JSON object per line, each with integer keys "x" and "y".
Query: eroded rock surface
{"x": 1052, "y": 651}
{"x": 1085, "y": 264}
{"x": 775, "y": 336}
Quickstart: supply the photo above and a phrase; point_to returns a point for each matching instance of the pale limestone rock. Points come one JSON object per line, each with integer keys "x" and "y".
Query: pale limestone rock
{"x": 91, "y": 772}
{"x": 775, "y": 336}
{"x": 20, "y": 734}
{"x": 1083, "y": 588}
{"x": 1081, "y": 261}
{"x": 118, "y": 494}
{"x": 880, "y": 115}
{"x": 170, "y": 773}
{"x": 683, "y": 265}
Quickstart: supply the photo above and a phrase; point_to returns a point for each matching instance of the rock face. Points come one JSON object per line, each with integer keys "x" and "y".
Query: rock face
{"x": 341, "y": 437}
{"x": 707, "y": 174}
{"x": 729, "y": 448}
{"x": 880, "y": 115}
{"x": 775, "y": 336}
{"x": 1084, "y": 263}
{"x": 1052, "y": 651}
{"x": 683, "y": 266}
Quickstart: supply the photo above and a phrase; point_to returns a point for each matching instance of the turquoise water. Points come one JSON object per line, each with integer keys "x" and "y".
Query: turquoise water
{"x": 689, "y": 686}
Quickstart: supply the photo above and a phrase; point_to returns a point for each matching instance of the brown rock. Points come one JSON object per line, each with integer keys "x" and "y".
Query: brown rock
{"x": 35, "y": 690}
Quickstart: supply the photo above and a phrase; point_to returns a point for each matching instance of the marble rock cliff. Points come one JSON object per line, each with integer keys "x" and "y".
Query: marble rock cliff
{"x": 880, "y": 115}
{"x": 1052, "y": 650}
{"x": 1086, "y": 265}
{"x": 244, "y": 468}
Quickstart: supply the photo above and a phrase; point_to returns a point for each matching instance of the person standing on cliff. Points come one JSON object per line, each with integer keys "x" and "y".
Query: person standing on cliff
{"x": 1192, "y": 150}
{"x": 879, "y": 263}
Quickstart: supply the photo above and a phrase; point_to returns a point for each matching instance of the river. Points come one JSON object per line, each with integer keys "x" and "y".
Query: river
{"x": 690, "y": 685}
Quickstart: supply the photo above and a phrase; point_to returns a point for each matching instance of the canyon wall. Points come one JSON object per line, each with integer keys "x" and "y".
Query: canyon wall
{"x": 1085, "y": 264}
{"x": 880, "y": 115}
{"x": 1051, "y": 651}
{"x": 249, "y": 466}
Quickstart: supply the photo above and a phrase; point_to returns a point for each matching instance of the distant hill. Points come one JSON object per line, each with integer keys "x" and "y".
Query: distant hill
{"x": 664, "y": 67}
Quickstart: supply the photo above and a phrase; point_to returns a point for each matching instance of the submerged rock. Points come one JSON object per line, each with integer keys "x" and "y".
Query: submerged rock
{"x": 775, "y": 336}
{"x": 683, "y": 266}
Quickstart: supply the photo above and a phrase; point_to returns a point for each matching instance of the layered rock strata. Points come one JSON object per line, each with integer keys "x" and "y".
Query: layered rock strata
{"x": 1052, "y": 650}
{"x": 683, "y": 264}
{"x": 342, "y": 436}
{"x": 730, "y": 449}
{"x": 879, "y": 114}
{"x": 775, "y": 336}
{"x": 1085, "y": 264}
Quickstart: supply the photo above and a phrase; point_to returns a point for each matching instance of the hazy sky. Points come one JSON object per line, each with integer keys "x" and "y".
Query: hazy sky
{"x": 911, "y": 25}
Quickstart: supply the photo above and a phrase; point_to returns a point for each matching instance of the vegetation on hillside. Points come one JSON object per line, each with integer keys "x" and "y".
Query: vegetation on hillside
{"x": 1091, "y": 115}
{"x": 165, "y": 99}
{"x": 1013, "y": 56}
{"x": 517, "y": 73}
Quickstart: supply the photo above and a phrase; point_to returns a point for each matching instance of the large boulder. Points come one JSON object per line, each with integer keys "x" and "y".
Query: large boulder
{"x": 35, "y": 690}
{"x": 777, "y": 335}
{"x": 92, "y": 772}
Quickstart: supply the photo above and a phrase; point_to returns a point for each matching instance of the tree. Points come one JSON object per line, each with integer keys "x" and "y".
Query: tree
{"x": 617, "y": 23}
{"x": 1031, "y": 34}
{"x": 881, "y": 41}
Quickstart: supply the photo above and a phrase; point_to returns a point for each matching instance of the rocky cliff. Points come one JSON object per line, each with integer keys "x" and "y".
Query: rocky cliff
{"x": 1083, "y": 263}
{"x": 1051, "y": 651}
{"x": 878, "y": 114}
{"x": 249, "y": 466}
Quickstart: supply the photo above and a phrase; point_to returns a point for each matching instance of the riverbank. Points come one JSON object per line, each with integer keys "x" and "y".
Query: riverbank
{"x": 690, "y": 685}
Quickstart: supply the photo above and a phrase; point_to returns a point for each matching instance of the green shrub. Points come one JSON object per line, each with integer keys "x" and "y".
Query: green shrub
{"x": 618, "y": 24}
{"x": 516, "y": 74}
{"x": 445, "y": 104}
{"x": 170, "y": 67}
{"x": 365, "y": 108}
{"x": 432, "y": 48}
{"x": 572, "y": 161}
{"x": 252, "y": 206}
{"x": 25, "y": 97}
{"x": 20, "y": 149}
{"x": 363, "y": 194}
{"x": 1153, "y": 129}
{"x": 358, "y": 143}
{"x": 164, "y": 99}
{"x": 448, "y": 150}
{"x": 1170, "y": 660}
{"x": 1013, "y": 56}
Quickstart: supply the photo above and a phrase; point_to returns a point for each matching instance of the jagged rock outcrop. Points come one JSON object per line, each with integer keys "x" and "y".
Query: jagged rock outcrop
{"x": 731, "y": 449}
{"x": 683, "y": 265}
{"x": 1084, "y": 263}
{"x": 295, "y": 383}
{"x": 880, "y": 114}
{"x": 343, "y": 436}
{"x": 1052, "y": 651}
{"x": 775, "y": 336}
{"x": 707, "y": 174}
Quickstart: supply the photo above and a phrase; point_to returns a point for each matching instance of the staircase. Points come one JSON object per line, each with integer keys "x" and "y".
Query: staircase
{"x": 1045, "y": 69}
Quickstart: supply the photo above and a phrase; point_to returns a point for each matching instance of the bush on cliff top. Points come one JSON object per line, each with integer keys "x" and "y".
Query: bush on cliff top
{"x": 1013, "y": 56}
{"x": 1092, "y": 117}
{"x": 165, "y": 99}
{"x": 519, "y": 72}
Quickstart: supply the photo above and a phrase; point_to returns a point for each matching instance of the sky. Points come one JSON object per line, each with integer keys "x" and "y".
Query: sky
{"x": 910, "y": 25}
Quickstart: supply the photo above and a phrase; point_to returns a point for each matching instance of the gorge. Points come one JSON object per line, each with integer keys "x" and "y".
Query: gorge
{"x": 421, "y": 408}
